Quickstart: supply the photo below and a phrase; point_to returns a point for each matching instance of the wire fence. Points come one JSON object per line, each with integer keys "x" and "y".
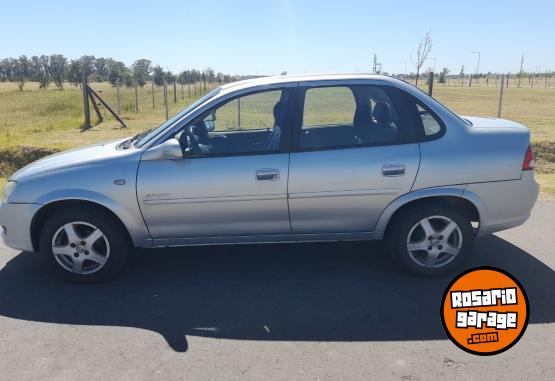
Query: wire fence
{"x": 535, "y": 80}
{"x": 137, "y": 99}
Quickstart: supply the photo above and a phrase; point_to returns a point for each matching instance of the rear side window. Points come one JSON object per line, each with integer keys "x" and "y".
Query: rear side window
{"x": 346, "y": 116}
{"x": 328, "y": 106}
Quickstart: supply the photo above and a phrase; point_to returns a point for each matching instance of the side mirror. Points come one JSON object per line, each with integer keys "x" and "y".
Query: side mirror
{"x": 169, "y": 150}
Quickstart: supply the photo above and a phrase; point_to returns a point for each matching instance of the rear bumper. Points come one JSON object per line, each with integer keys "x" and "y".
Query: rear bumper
{"x": 505, "y": 204}
{"x": 15, "y": 225}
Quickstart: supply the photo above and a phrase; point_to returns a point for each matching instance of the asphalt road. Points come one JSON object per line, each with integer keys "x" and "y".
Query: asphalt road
{"x": 291, "y": 311}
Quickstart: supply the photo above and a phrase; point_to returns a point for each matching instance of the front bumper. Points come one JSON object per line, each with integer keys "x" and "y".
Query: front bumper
{"x": 15, "y": 225}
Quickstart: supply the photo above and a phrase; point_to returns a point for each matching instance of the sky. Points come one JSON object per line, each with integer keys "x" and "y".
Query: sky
{"x": 267, "y": 37}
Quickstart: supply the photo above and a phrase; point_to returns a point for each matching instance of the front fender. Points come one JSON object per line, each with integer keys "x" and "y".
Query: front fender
{"x": 135, "y": 226}
{"x": 452, "y": 191}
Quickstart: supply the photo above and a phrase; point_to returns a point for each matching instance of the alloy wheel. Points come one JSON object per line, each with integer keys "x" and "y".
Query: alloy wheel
{"x": 80, "y": 247}
{"x": 434, "y": 241}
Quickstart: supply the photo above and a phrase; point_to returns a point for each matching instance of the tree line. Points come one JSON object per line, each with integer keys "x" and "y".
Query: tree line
{"x": 58, "y": 70}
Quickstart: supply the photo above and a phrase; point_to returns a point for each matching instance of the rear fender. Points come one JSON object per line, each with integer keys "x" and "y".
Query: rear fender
{"x": 451, "y": 191}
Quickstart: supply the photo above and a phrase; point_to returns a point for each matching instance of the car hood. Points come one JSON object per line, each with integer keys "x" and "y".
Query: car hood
{"x": 481, "y": 122}
{"x": 86, "y": 155}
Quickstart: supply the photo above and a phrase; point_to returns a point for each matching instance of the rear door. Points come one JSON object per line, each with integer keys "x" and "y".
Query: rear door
{"x": 354, "y": 151}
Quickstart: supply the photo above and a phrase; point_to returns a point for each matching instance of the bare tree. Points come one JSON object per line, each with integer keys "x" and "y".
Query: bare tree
{"x": 422, "y": 52}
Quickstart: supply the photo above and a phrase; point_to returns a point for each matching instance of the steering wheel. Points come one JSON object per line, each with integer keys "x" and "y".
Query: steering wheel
{"x": 191, "y": 141}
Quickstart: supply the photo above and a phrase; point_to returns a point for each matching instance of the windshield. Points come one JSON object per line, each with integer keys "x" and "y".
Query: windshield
{"x": 147, "y": 135}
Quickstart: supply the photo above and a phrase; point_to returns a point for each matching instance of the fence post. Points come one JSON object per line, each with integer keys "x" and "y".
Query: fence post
{"x": 239, "y": 113}
{"x": 430, "y": 83}
{"x": 182, "y": 91}
{"x": 189, "y": 86}
{"x": 96, "y": 109}
{"x": 174, "y": 93}
{"x": 87, "y": 122}
{"x": 152, "y": 86}
{"x": 166, "y": 98}
{"x": 136, "y": 98}
{"x": 117, "y": 91}
{"x": 501, "y": 96}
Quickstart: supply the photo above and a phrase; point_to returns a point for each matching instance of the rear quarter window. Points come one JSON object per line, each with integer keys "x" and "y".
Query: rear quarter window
{"x": 430, "y": 124}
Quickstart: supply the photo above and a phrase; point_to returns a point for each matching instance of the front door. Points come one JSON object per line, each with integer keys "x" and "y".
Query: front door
{"x": 233, "y": 179}
{"x": 354, "y": 152}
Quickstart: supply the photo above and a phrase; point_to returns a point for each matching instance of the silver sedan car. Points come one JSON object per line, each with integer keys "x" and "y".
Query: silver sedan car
{"x": 280, "y": 159}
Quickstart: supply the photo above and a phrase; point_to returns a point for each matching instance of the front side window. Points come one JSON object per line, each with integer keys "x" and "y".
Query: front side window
{"x": 341, "y": 116}
{"x": 248, "y": 124}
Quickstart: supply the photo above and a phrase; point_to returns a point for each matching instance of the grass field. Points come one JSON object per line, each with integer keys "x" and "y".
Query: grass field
{"x": 51, "y": 119}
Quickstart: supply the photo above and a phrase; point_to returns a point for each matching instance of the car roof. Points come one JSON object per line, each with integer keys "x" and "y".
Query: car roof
{"x": 283, "y": 79}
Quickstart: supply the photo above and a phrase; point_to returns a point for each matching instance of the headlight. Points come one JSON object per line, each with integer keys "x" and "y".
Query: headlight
{"x": 8, "y": 189}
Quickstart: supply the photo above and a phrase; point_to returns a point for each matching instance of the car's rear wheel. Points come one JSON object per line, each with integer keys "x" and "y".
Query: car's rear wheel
{"x": 84, "y": 244}
{"x": 431, "y": 240}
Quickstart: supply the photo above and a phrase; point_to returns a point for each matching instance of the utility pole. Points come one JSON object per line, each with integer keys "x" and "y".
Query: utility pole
{"x": 404, "y": 63}
{"x": 376, "y": 66}
{"x": 520, "y": 72}
{"x": 435, "y": 59}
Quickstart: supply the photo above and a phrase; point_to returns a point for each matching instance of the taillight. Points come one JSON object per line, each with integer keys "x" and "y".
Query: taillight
{"x": 529, "y": 162}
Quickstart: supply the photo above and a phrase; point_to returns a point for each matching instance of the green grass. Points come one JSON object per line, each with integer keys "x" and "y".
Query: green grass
{"x": 533, "y": 107}
{"x": 52, "y": 118}
{"x": 547, "y": 185}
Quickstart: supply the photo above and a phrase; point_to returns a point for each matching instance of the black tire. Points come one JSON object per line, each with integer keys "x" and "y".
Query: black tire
{"x": 117, "y": 241}
{"x": 404, "y": 224}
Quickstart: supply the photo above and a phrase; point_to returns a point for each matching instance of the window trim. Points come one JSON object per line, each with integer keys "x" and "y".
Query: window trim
{"x": 299, "y": 116}
{"x": 290, "y": 95}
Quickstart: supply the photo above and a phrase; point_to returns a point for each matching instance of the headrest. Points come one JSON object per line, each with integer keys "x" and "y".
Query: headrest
{"x": 382, "y": 113}
{"x": 199, "y": 129}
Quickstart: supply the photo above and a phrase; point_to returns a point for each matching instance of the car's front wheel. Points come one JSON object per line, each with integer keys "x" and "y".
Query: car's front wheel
{"x": 431, "y": 240}
{"x": 83, "y": 244}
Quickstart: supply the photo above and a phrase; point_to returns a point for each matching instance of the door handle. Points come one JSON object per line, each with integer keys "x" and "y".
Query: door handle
{"x": 393, "y": 170}
{"x": 266, "y": 174}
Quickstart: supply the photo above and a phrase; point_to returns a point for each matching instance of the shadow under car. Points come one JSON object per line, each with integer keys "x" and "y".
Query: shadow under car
{"x": 324, "y": 292}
